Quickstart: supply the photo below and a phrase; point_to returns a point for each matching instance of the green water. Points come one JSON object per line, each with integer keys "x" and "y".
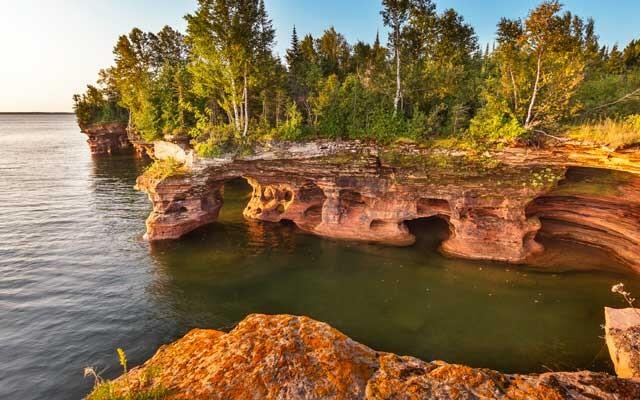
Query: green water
{"x": 405, "y": 300}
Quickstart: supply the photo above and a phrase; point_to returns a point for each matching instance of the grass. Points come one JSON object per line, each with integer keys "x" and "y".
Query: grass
{"x": 141, "y": 389}
{"x": 617, "y": 134}
{"x": 162, "y": 169}
{"x": 106, "y": 391}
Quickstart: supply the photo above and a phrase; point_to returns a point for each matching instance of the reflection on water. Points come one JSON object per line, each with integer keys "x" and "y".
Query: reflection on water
{"x": 76, "y": 280}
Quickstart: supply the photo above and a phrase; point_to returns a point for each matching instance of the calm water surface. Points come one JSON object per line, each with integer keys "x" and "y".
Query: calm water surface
{"x": 77, "y": 281}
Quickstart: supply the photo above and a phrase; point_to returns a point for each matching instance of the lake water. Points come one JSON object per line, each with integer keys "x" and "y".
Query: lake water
{"x": 77, "y": 280}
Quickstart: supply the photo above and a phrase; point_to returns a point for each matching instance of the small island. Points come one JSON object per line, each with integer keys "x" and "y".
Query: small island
{"x": 537, "y": 135}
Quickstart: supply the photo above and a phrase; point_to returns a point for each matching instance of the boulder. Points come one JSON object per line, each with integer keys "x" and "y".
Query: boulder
{"x": 622, "y": 328}
{"x": 288, "y": 357}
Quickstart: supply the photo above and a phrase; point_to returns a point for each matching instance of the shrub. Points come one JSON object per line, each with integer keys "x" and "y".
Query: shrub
{"x": 291, "y": 129}
{"x": 386, "y": 127}
{"x": 162, "y": 169}
{"x": 495, "y": 123}
{"x": 220, "y": 140}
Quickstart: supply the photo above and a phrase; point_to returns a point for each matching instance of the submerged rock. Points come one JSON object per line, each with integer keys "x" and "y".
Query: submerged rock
{"x": 287, "y": 357}
{"x": 622, "y": 328}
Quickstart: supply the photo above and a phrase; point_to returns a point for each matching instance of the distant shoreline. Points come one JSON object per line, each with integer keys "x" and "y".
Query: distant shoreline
{"x": 34, "y": 113}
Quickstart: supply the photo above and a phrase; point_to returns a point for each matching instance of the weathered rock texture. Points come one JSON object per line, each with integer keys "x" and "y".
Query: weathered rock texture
{"x": 600, "y": 208}
{"x": 141, "y": 146}
{"x": 106, "y": 138}
{"x": 493, "y": 204}
{"x": 286, "y": 357}
{"x": 622, "y": 329}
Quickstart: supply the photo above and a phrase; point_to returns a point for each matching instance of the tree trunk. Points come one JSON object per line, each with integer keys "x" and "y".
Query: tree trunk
{"x": 396, "y": 102}
{"x": 515, "y": 92}
{"x": 245, "y": 94}
{"x": 265, "y": 117}
{"x": 277, "y": 109}
{"x": 180, "y": 108}
{"x": 234, "y": 102}
{"x": 527, "y": 123}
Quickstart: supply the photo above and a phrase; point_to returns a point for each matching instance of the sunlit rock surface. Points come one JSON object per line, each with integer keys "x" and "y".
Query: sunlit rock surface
{"x": 287, "y": 357}
{"x": 106, "y": 138}
{"x": 495, "y": 203}
{"x": 622, "y": 329}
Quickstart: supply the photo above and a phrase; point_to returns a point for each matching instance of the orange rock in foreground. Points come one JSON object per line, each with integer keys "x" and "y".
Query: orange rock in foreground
{"x": 288, "y": 357}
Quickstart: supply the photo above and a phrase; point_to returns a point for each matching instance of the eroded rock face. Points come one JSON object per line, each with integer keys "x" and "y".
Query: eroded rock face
{"x": 622, "y": 328}
{"x": 355, "y": 192}
{"x": 287, "y": 357}
{"x": 107, "y": 138}
{"x": 596, "y": 207}
{"x": 180, "y": 205}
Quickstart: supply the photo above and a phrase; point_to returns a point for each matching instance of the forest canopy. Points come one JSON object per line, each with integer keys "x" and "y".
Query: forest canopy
{"x": 221, "y": 85}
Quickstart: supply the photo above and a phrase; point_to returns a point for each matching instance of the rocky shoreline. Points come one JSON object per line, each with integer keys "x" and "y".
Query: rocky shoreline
{"x": 495, "y": 204}
{"x": 289, "y": 357}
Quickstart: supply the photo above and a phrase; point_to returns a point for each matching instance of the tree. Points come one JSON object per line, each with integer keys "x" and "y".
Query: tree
{"x": 334, "y": 53}
{"x": 631, "y": 54}
{"x": 615, "y": 61}
{"x": 232, "y": 42}
{"x": 541, "y": 64}
{"x": 395, "y": 14}
{"x": 295, "y": 62}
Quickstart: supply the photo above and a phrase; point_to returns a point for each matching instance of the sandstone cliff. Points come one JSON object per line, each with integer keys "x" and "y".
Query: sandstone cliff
{"x": 286, "y": 357}
{"x": 106, "y": 138}
{"x": 495, "y": 204}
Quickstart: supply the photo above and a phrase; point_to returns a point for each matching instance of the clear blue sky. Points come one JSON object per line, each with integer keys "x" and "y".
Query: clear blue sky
{"x": 53, "y": 48}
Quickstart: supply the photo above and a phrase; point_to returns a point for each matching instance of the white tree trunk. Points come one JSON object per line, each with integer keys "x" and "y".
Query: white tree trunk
{"x": 396, "y": 102}
{"x": 515, "y": 92}
{"x": 234, "y": 102}
{"x": 245, "y": 94}
{"x": 527, "y": 123}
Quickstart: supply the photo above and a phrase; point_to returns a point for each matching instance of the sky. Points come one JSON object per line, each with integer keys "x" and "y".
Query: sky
{"x": 50, "y": 49}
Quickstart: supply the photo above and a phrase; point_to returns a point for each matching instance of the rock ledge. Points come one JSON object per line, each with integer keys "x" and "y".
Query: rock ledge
{"x": 289, "y": 357}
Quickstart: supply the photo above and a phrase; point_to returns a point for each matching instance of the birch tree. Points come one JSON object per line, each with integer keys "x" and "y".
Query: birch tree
{"x": 395, "y": 14}
{"x": 232, "y": 42}
{"x": 541, "y": 63}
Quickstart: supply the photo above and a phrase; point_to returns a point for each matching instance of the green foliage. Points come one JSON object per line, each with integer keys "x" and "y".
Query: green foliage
{"x": 222, "y": 140}
{"x": 221, "y": 85}
{"x": 93, "y": 107}
{"x": 141, "y": 389}
{"x": 107, "y": 391}
{"x": 158, "y": 170}
{"x": 607, "y": 95}
{"x": 292, "y": 128}
{"x": 495, "y": 123}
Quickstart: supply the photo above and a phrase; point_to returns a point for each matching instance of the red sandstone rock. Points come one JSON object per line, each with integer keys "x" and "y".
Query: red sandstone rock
{"x": 286, "y": 357}
{"x": 354, "y": 192}
{"x": 601, "y": 211}
{"x": 180, "y": 205}
{"x": 106, "y": 138}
